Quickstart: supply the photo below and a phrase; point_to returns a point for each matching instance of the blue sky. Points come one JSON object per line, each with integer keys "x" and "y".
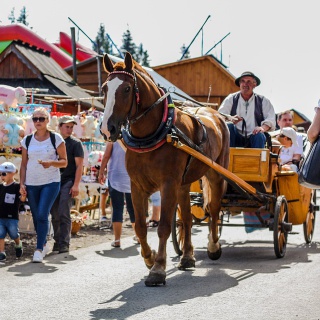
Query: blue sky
{"x": 277, "y": 40}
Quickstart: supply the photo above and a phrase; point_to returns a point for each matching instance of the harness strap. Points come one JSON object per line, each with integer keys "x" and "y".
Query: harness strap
{"x": 134, "y": 120}
{"x": 158, "y": 138}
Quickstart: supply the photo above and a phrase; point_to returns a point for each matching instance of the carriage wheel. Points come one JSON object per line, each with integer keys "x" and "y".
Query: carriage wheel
{"x": 177, "y": 231}
{"x": 280, "y": 230}
{"x": 308, "y": 225}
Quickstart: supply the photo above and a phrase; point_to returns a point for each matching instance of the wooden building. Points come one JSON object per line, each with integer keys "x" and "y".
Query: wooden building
{"x": 91, "y": 75}
{"x": 204, "y": 78}
{"x": 33, "y": 68}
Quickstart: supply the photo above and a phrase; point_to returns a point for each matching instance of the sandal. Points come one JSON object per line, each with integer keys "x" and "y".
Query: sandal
{"x": 136, "y": 239}
{"x": 153, "y": 224}
{"x": 115, "y": 243}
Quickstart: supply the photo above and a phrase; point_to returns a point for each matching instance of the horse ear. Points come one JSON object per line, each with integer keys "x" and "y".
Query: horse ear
{"x": 128, "y": 61}
{"x": 107, "y": 63}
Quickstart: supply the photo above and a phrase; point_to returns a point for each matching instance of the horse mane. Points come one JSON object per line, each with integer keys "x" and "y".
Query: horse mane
{"x": 120, "y": 66}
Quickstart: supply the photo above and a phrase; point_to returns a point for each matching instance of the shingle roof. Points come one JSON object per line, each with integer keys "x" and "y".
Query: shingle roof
{"x": 49, "y": 69}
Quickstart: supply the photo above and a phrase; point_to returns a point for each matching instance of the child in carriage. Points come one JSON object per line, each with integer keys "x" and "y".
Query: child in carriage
{"x": 288, "y": 140}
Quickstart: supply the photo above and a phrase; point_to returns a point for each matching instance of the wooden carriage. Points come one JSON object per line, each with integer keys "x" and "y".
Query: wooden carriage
{"x": 274, "y": 192}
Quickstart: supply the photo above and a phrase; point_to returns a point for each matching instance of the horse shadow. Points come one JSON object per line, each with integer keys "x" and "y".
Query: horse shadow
{"x": 48, "y": 266}
{"x": 125, "y": 303}
{"x": 237, "y": 263}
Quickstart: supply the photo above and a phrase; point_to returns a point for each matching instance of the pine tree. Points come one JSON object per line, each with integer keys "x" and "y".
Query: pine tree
{"x": 11, "y": 17}
{"x": 103, "y": 41}
{"x": 128, "y": 44}
{"x": 142, "y": 56}
{"x": 23, "y": 17}
{"x": 145, "y": 61}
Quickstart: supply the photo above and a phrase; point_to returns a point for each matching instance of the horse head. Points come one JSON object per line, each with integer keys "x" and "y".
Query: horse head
{"x": 118, "y": 95}
{"x": 122, "y": 99}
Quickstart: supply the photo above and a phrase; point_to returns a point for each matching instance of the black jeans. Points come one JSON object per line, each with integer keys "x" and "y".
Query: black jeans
{"x": 60, "y": 212}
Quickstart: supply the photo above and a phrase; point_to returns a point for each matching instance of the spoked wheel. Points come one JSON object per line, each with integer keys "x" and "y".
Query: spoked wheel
{"x": 177, "y": 231}
{"x": 308, "y": 225}
{"x": 281, "y": 227}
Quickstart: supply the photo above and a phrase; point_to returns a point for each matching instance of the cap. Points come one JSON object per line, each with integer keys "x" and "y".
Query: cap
{"x": 66, "y": 119}
{"x": 247, "y": 74}
{"x": 8, "y": 167}
{"x": 290, "y": 133}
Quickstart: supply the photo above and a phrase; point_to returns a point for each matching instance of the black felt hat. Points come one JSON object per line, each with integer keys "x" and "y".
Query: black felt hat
{"x": 247, "y": 74}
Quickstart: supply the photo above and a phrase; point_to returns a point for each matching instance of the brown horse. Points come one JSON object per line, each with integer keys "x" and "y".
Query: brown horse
{"x": 132, "y": 99}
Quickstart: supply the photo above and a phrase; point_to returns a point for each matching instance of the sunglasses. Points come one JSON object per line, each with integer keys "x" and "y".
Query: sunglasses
{"x": 40, "y": 119}
{"x": 3, "y": 174}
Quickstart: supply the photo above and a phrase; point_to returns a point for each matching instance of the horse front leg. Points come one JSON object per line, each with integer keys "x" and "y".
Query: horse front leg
{"x": 157, "y": 274}
{"x": 187, "y": 259}
{"x": 140, "y": 204}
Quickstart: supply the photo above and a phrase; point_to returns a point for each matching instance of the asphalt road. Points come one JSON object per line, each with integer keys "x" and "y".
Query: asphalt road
{"x": 100, "y": 282}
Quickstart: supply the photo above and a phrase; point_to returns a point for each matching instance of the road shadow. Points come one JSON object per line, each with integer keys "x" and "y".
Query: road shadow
{"x": 120, "y": 253}
{"x": 139, "y": 298}
{"x": 239, "y": 261}
{"x": 48, "y": 266}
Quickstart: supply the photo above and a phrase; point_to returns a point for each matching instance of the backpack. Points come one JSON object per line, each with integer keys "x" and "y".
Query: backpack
{"x": 52, "y": 138}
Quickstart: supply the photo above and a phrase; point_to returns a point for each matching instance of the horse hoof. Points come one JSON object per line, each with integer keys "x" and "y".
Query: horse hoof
{"x": 155, "y": 279}
{"x": 215, "y": 255}
{"x": 187, "y": 263}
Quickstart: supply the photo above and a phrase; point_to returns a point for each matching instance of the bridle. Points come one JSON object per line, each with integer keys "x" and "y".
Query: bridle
{"x": 132, "y": 119}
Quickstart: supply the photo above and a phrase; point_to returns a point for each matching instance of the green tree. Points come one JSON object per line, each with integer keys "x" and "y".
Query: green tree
{"x": 104, "y": 44}
{"x": 187, "y": 54}
{"x": 128, "y": 44}
{"x": 23, "y": 16}
{"x": 142, "y": 56}
{"x": 11, "y": 17}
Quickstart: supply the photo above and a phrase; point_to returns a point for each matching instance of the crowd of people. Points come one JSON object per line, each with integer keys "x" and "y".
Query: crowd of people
{"x": 52, "y": 165}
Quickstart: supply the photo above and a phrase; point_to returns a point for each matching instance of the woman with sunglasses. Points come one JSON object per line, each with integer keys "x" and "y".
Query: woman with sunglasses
{"x": 40, "y": 175}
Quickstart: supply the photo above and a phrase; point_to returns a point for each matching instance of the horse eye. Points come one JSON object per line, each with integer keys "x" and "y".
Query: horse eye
{"x": 127, "y": 89}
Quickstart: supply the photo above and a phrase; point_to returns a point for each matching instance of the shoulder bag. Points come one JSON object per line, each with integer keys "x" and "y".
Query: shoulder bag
{"x": 309, "y": 175}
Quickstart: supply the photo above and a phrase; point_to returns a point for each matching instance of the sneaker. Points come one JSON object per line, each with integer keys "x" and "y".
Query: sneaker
{"x": 19, "y": 249}
{"x": 56, "y": 247}
{"x": 45, "y": 250}
{"x": 37, "y": 256}
{"x": 103, "y": 219}
{"x": 64, "y": 249}
{"x": 3, "y": 257}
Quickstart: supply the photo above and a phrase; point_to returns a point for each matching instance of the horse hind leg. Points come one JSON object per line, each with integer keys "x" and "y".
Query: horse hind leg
{"x": 187, "y": 260}
{"x": 213, "y": 192}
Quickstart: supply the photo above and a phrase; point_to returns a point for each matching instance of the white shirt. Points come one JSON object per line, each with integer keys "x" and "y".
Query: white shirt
{"x": 36, "y": 175}
{"x": 247, "y": 113}
{"x": 286, "y": 154}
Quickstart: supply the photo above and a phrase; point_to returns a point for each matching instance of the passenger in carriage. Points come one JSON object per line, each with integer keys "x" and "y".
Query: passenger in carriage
{"x": 285, "y": 120}
{"x": 251, "y": 114}
{"x": 288, "y": 139}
